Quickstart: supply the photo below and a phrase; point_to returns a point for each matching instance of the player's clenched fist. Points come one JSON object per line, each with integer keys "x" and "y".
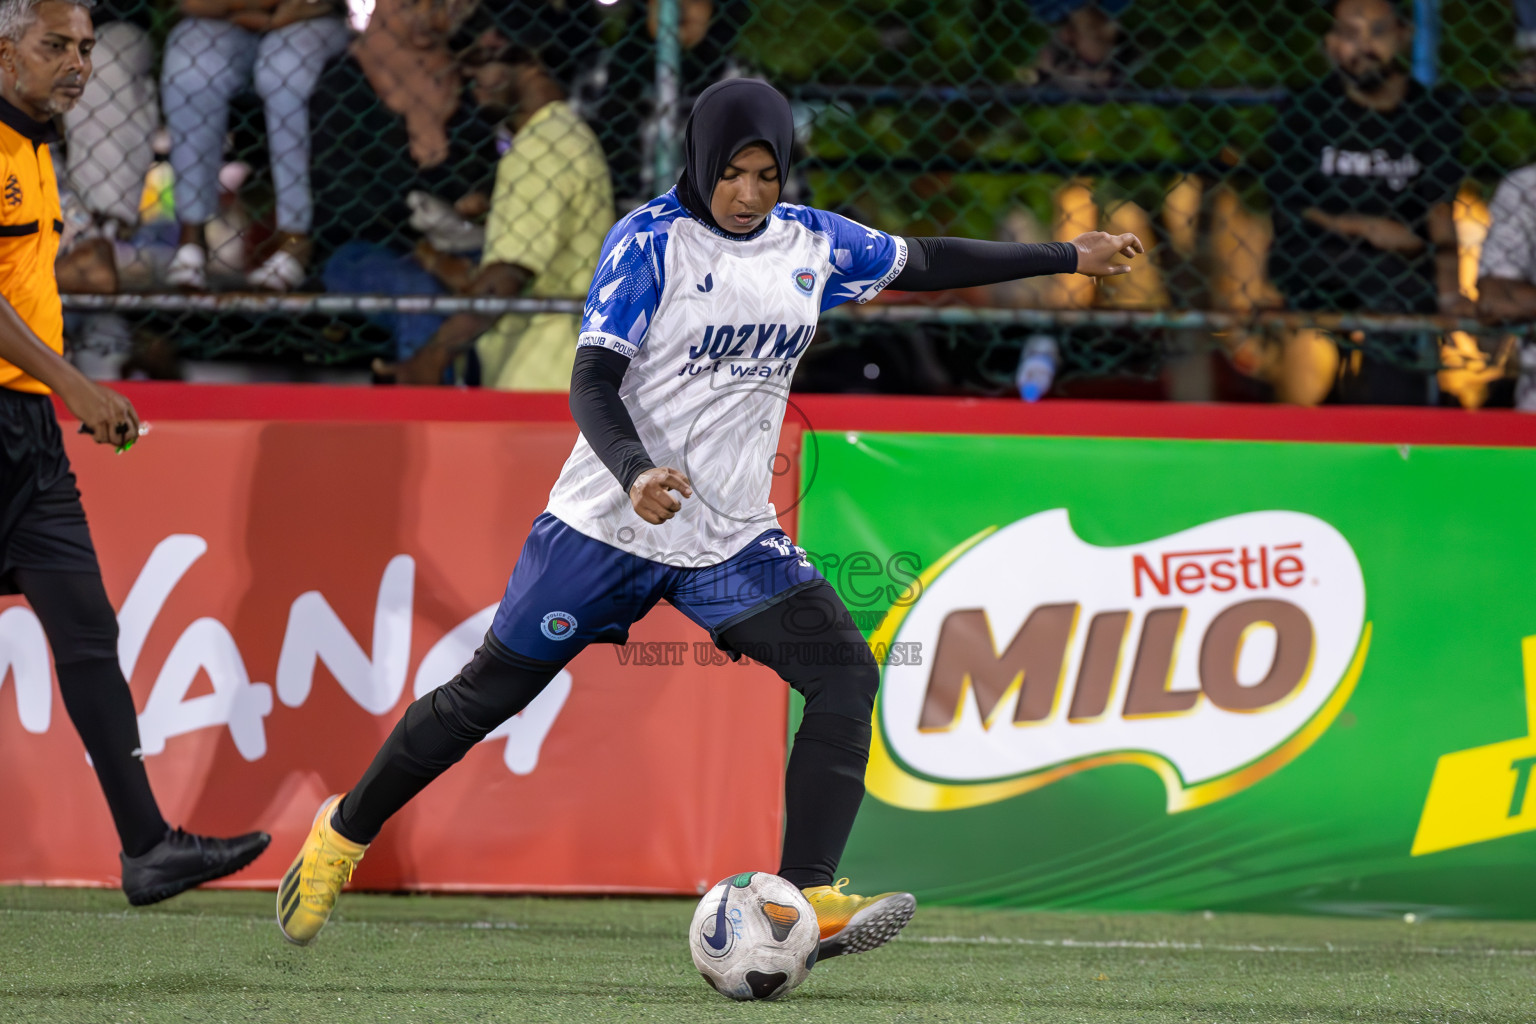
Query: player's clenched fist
{"x": 1096, "y": 250}
{"x": 651, "y": 495}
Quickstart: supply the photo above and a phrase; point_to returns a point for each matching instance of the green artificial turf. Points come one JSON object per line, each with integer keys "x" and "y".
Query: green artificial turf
{"x": 84, "y": 956}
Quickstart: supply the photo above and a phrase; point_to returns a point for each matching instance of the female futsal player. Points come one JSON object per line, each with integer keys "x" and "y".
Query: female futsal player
{"x": 703, "y": 303}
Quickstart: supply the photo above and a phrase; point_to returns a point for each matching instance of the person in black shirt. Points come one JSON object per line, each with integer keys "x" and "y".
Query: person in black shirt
{"x": 1366, "y": 165}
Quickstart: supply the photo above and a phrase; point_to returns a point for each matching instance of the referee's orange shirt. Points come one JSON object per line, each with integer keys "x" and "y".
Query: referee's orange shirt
{"x": 30, "y": 225}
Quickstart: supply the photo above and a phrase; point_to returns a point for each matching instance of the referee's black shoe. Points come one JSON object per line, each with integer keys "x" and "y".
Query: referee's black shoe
{"x": 183, "y": 860}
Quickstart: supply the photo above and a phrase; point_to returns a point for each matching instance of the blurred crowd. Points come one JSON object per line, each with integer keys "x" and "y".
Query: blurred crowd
{"x": 484, "y": 147}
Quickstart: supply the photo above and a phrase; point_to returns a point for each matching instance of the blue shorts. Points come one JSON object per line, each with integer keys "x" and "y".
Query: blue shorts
{"x": 568, "y": 590}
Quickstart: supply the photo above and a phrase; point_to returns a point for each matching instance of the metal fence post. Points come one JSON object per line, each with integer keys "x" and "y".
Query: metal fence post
{"x": 668, "y": 60}
{"x": 1426, "y": 41}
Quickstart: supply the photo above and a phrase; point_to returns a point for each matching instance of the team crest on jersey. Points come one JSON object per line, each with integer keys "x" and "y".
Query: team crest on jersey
{"x": 805, "y": 280}
{"x": 12, "y": 191}
{"x": 558, "y": 625}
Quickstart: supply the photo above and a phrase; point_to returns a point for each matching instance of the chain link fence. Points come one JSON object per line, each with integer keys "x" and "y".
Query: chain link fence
{"x": 337, "y": 181}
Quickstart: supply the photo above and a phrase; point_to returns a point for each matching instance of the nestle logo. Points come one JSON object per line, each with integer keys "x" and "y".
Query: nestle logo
{"x": 1221, "y": 569}
{"x": 1216, "y": 661}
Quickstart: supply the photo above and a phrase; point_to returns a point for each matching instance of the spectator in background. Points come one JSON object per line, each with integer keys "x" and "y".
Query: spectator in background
{"x": 1084, "y": 51}
{"x": 407, "y": 52}
{"x": 1366, "y": 166}
{"x": 550, "y": 209}
{"x": 391, "y": 119}
{"x": 706, "y": 35}
{"x": 108, "y": 151}
{"x": 109, "y": 146}
{"x": 379, "y": 172}
{"x": 1524, "y": 74}
{"x": 390, "y": 122}
{"x": 404, "y": 52}
{"x": 218, "y": 49}
{"x": 1506, "y": 274}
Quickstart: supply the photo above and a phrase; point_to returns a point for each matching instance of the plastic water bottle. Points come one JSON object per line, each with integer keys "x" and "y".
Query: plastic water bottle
{"x": 1037, "y": 367}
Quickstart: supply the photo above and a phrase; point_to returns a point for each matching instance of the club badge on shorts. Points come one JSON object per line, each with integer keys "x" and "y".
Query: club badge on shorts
{"x": 558, "y": 625}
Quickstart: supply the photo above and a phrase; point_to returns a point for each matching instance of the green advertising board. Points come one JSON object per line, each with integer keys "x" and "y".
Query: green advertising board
{"x": 1165, "y": 675}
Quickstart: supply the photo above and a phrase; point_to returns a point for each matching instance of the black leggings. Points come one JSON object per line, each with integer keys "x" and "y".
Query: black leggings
{"x": 82, "y": 631}
{"x": 809, "y": 639}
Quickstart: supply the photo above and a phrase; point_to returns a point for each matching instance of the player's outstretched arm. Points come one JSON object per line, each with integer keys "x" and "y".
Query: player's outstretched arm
{"x": 107, "y": 415}
{"x": 934, "y": 264}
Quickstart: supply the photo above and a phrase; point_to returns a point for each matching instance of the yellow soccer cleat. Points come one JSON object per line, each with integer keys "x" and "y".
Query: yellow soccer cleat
{"x": 309, "y": 890}
{"x": 857, "y": 924}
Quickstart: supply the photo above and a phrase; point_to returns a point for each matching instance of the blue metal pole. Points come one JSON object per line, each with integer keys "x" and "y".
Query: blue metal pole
{"x": 1426, "y": 41}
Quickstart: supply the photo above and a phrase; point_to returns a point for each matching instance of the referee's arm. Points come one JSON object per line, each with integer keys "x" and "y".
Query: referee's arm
{"x": 108, "y": 415}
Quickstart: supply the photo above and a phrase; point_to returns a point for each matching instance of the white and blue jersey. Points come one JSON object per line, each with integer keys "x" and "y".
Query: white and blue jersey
{"x": 714, "y": 327}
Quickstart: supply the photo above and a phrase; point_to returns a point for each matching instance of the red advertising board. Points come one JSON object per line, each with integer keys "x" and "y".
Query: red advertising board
{"x": 293, "y": 565}
{"x": 286, "y": 588}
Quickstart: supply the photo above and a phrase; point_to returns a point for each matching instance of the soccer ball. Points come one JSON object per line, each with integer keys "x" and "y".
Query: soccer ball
{"x": 754, "y": 936}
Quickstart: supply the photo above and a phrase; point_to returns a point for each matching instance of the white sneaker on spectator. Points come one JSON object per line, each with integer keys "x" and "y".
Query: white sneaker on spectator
{"x": 282, "y": 272}
{"x": 442, "y": 225}
{"x": 189, "y": 268}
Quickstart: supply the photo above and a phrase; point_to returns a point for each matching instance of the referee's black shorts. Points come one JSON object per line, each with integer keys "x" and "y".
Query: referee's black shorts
{"x": 42, "y": 524}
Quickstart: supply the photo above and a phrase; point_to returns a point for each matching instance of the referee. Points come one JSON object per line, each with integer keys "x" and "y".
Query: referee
{"x": 45, "y": 545}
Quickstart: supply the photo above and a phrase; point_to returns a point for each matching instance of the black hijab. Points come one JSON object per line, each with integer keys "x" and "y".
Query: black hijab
{"x": 727, "y": 117}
